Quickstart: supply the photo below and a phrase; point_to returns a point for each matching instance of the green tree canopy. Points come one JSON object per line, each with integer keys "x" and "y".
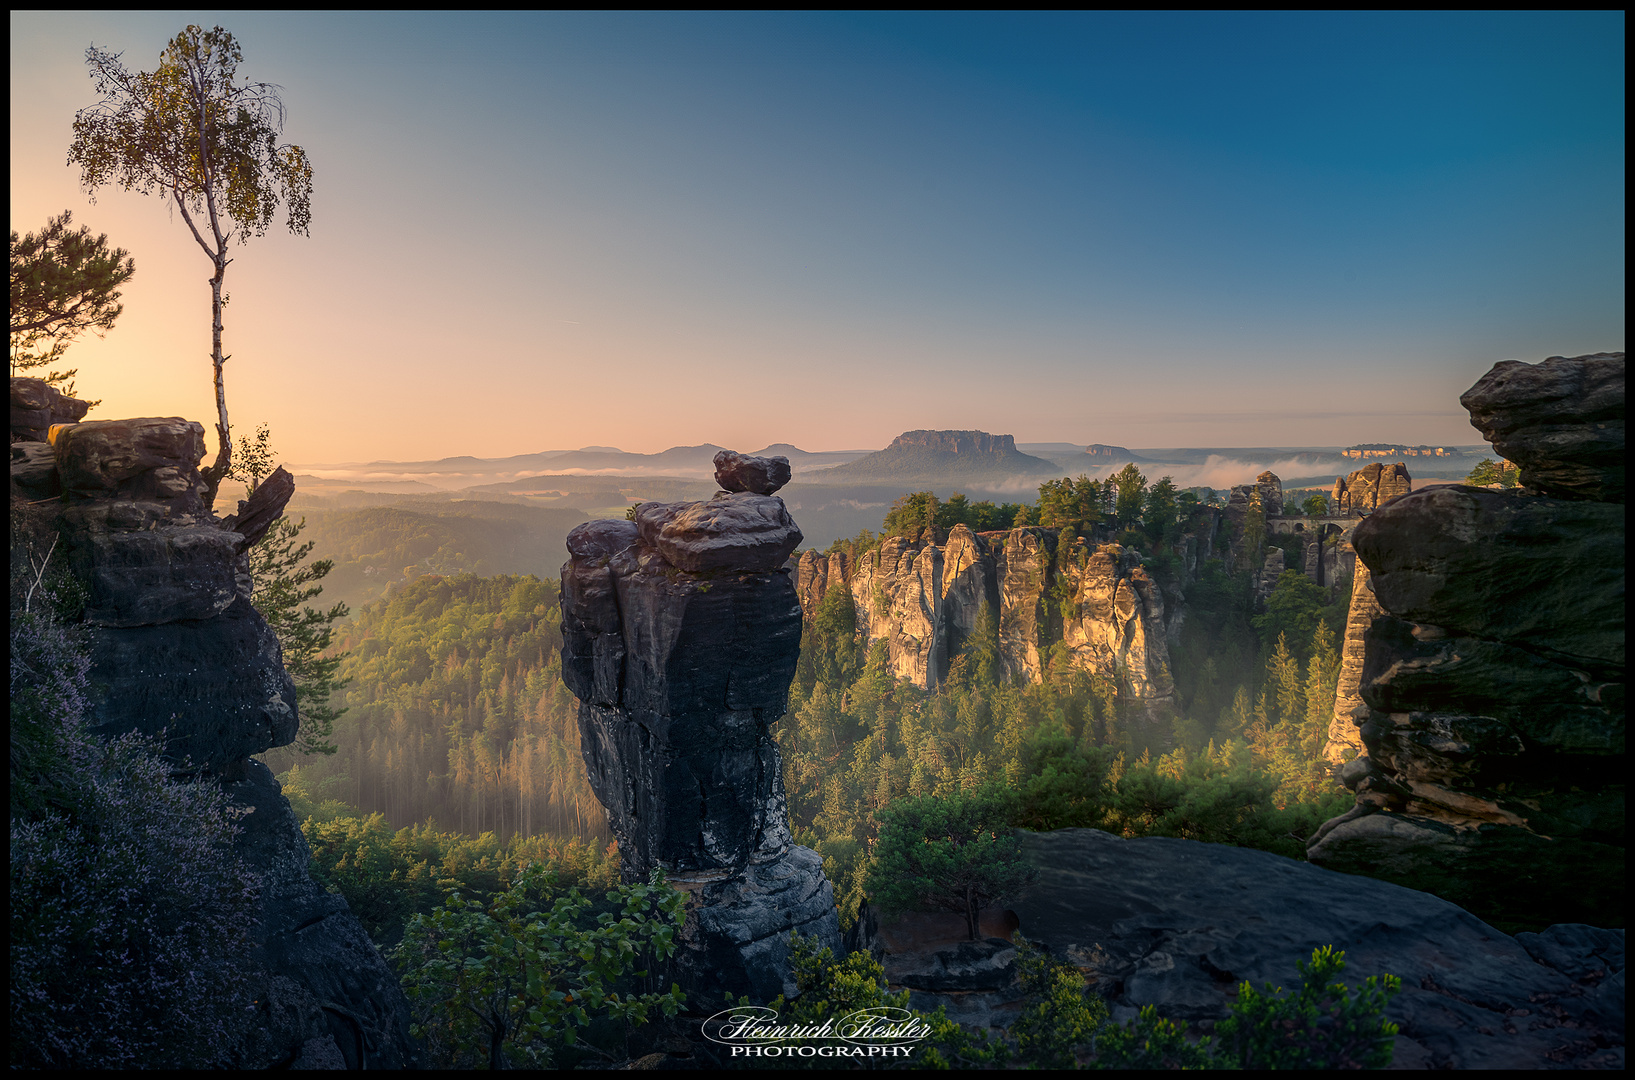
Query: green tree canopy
{"x": 955, "y": 854}
{"x": 911, "y": 515}
{"x": 1131, "y": 485}
{"x": 194, "y": 133}
{"x": 1316, "y": 505}
{"x": 64, "y": 282}
{"x": 1488, "y": 472}
{"x": 1070, "y": 504}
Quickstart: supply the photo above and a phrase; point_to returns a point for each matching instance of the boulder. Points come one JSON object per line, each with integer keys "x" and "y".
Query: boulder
{"x": 1561, "y": 422}
{"x": 36, "y": 405}
{"x": 758, "y": 475}
{"x": 34, "y": 472}
{"x": 1179, "y": 925}
{"x": 732, "y": 531}
{"x": 148, "y": 459}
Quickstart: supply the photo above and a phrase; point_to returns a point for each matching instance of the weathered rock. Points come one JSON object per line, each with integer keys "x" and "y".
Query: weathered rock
{"x": 1363, "y": 491}
{"x": 148, "y": 459}
{"x": 217, "y": 687}
{"x": 264, "y": 506}
{"x": 680, "y": 675}
{"x": 1178, "y": 925}
{"x": 1115, "y": 627}
{"x": 1024, "y": 575}
{"x": 177, "y": 647}
{"x": 1469, "y": 559}
{"x": 732, "y": 531}
{"x": 1266, "y": 581}
{"x": 1343, "y": 740}
{"x": 36, "y": 405}
{"x": 34, "y": 472}
{"x": 1561, "y": 422}
{"x": 334, "y": 978}
{"x": 759, "y": 475}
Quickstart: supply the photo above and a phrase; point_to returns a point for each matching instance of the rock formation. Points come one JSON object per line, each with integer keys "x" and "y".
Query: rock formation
{"x": 1266, "y": 580}
{"x": 1493, "y": 680}
{"x": 36, "y": 405}
{"x": 1179, "y": 924}
{"x": 1561, "y": 422}
{"x": 941, "y": 457}
{"x": 1363, "y": 491}
{"x": 1344, "y": 742}
{"x": 741, "y": 472}
{"x": 681, "y": 631}
{"x": 926, "y": 600}
{"x": 1271, "y": 497}
{"x": 179, "y": 650}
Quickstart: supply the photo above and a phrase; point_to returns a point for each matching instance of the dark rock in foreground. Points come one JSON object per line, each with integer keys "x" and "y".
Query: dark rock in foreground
{"x": 1179, "y": 925}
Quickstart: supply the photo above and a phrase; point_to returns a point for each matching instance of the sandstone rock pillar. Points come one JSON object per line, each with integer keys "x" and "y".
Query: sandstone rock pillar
{"x": 1343, "y": 739}
{"x": 681, "y": 631}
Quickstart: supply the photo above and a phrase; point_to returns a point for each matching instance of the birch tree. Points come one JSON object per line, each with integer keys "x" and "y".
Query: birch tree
{"x": 194, "y": 134}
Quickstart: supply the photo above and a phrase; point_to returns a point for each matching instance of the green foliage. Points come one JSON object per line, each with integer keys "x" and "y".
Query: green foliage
{"x": 282, "y": 587}
{"x": 1160, "y": 516}
{"x": 910, "y": 515}
{"x": 64, "y": 282}
{"x": 1293, "y": 610}
{"x": 1069, "y": 504}
{"x": 1059, "y": 1021}
{"x": 1488, "y": 472}
{"x": 1315, "y": 505}
{"x": 512, "y": 982}
{"x": 1066, "y": 786}
{"x": 982, "y": 516}
{"x": 1153, "y": 1042}
{"x": 1131, "y": 487}
{"x": 1322, "y": 1026}
{"x": 952, "y": 853}
{"x": 254, "y": 458}
{"x": 388, "y": 876}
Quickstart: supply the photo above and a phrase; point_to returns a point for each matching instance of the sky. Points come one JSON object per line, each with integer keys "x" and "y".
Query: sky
{"x": 545, "y": 231}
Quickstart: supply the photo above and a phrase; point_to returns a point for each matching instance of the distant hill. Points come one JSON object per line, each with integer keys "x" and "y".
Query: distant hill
{"x": 940, "y": 456}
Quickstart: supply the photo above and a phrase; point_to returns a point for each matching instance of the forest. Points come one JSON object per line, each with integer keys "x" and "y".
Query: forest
{"x": 457, "y": 731}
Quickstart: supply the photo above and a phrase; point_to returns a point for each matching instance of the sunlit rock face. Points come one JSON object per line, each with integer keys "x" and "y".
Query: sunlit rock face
{"x": 1492, "y": 678}
{"x": 928, "y": 600}
{"x": 178, "y": 651}
{"x": 1363, "y": 491}
{"x": 680, "y": 673}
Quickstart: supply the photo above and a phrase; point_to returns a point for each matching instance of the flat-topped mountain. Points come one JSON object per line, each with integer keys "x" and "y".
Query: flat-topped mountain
{"x": 930, "y": 456}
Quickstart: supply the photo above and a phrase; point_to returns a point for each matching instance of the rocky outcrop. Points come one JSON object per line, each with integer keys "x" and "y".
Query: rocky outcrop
{"x": 1270, "y": 571}
{"x": 178, "y": 650}
{"x": 1363, "y": 491}
{"x": 927, "y": 601}
{"x": 1344, "y": 742}
{"x": 759, "y": 475}
{"x": 680, "y": 672}
{"x": 1271, "y": 497}
{"x": 1493, "y": 683}
{"x": 36, "y": 405}
{"x": 1179, "y": 924}
{"x": 1561, "y": 422}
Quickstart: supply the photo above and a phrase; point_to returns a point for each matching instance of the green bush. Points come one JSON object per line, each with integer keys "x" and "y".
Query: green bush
{"x": 510, "y": 983}
{"x": 1321, "y": 1027}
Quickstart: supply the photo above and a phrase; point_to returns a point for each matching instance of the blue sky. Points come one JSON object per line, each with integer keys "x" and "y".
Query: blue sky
{"x": 644, "y": 230}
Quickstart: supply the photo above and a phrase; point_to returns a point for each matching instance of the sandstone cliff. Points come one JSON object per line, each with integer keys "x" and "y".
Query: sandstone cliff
{"x": 1493, "y": 679}
{"x": 925, "y": 600}
{"x": 180, "y": 652}
{"x": 940, "y": 456}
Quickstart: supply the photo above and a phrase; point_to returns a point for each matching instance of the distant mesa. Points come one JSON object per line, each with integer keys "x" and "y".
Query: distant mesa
{"x": 600, "y": 450}
{"x": 930, "y": 456}
{"x": 1393, "y": 450}
{"x": 1105, "y": 454}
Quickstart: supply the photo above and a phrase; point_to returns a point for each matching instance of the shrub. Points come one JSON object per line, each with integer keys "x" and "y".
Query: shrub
{"x": 507, "y": 983}
{"x": 1321, "y": 1027}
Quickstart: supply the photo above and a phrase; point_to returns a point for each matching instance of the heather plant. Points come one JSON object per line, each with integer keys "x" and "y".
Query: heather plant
{"x": 130, "y": 913}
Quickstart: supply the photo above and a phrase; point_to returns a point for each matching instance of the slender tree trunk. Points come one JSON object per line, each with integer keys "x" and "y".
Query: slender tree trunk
{"x": 224, "y": 456}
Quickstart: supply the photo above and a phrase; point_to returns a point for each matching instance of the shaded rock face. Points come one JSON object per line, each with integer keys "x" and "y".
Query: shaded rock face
{"x": 1492, "y": 697}
{"x": 36, "y": 405}
{"x": 1363, "y": 491}
{"x": 177, "y": 647}
{"x": 928, "y": 601}
{"x": 1179, "y": 924}
{"x": 680, "y": 674}
{"x": 1561, "y": 422}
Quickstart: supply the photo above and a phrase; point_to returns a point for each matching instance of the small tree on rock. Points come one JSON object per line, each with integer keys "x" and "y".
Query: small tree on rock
{"x": 192, "y": 132}
{"x": 954, "y": 854}
{"x": 63, "y": 282}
